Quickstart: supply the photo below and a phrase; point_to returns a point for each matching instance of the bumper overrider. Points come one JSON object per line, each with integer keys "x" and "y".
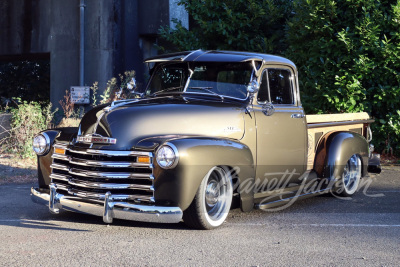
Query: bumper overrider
{"x": 109, "y": 210}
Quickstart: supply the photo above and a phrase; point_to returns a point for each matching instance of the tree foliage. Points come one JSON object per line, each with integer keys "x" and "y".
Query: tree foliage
{"x": 348, "y": 54}
{"x": 347, "y": 51}
{"x": 241, "y": 25}
{"x": 19, "y": 79}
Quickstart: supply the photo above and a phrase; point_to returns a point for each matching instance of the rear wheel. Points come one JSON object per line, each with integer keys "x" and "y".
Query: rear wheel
{"x": 212, "y": 202}
{"x": 351, "y": 177}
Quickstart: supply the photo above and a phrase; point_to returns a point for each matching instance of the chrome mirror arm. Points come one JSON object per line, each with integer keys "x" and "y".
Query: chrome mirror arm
{"x": 268, "y": 109}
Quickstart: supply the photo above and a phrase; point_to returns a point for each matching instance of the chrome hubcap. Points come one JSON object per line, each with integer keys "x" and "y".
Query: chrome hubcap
{"x": 218, "y": 195}
{"x": 212, "y": 193}
{"x": 352, "y": 174}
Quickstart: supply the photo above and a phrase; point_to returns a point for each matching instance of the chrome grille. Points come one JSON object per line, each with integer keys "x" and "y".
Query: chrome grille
{"x": 92, "y": 173}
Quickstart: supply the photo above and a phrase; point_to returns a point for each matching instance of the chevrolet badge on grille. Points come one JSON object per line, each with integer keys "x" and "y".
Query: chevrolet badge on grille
{"x": 96, "y": 139}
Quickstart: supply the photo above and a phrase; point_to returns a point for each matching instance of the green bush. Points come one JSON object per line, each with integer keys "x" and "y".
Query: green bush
{"x": 347, "y": 51}
{"x": 348, "y": 56}
{"x": 28, "y": 119}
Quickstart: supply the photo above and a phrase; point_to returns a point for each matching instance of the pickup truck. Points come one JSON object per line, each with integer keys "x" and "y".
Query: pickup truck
{"x": 211, "y": 131}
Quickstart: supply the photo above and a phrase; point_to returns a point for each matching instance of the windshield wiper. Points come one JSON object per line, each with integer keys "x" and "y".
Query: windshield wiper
{"x": 207, "y": 89}
{"x": 166, "y": 90}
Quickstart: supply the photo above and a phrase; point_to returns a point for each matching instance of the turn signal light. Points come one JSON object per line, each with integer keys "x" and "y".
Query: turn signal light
{"x": 143, "y": 159}
{"x": 59, "y": 150}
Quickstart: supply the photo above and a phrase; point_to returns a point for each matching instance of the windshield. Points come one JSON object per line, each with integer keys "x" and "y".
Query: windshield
{"x": 212, "y": 78}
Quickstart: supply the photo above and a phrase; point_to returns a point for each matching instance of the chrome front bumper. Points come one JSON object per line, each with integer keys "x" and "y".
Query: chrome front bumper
{"x": 109, "y": 210}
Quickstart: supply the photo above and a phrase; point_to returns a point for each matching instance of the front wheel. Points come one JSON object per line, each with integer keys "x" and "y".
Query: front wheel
{"x": 351, "y": 177}
{"x": 212, "y": 202}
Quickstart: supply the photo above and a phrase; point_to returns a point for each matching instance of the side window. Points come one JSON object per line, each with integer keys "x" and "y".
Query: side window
{"x": 263, "y": 92}
{"x": 280, "y": 86}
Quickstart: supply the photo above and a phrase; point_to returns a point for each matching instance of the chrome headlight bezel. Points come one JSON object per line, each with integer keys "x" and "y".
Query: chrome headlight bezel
{"x": 167, "y": 156}
{"x": 41, "y": 144}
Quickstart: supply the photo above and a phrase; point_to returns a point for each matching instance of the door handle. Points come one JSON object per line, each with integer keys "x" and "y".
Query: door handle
{"x": 297, "y": 115}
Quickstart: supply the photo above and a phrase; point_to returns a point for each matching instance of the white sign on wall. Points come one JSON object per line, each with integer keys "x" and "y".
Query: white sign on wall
{"x": 80, "y": 94}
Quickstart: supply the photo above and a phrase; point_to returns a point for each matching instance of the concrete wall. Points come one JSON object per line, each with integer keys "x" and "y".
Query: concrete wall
{"x": 119, "y": 34}
{"x": 177, "y": 12}
{"x": 64, "y": 47}
{"x": 100, "y": 27}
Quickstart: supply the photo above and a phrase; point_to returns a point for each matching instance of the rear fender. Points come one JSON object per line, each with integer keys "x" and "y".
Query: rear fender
{"x": 335, "y": 149}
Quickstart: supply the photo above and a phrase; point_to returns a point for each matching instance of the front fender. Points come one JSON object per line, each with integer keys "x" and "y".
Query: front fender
{"x": 60, "y": 135}
{"x": 197, "y": 155}
{"x": 335, "y": 149}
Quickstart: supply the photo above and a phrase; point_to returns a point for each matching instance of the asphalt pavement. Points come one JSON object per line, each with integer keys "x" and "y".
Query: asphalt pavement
{"x": 320, "y": 231}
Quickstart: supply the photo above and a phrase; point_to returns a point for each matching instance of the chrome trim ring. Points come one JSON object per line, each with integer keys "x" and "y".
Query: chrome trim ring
{"x": 47, "y": 148}
{"x": 352, "y": 174}
{"x": 175, "y": 149}
{"x": 217, "y": 196}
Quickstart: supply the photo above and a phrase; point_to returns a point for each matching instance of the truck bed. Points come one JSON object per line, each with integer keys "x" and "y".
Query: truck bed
{"x": 319, "y": 125}
{"x": 342, "y": 117}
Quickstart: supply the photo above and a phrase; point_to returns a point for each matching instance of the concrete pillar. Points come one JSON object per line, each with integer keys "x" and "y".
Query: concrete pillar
{"x": 178, "y": 12}
{"x": 64, "y": 48}
{"x": 100, "y": 25}
{"x": 99, "y": 45}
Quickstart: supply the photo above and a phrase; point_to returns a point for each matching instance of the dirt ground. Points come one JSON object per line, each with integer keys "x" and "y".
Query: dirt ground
{"x": 17, "y": 170}
{"x": 388, "y": 160}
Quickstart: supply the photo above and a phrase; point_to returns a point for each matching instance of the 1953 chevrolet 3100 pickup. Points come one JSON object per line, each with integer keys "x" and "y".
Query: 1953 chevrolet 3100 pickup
{"x": 212, "y": 130}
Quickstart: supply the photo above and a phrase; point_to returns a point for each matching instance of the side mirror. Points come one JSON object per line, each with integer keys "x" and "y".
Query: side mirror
{"x": 268, "y": 109}
{"x": 253, "y": 87}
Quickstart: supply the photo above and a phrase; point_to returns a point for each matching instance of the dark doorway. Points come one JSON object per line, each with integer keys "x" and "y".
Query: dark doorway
{"x": 26, "y": 77}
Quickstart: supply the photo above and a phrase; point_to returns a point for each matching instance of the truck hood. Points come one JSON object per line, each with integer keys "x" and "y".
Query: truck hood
{"x": 144, "y": 119}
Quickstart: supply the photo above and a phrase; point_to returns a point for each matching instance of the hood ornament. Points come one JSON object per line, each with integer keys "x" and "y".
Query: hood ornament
{"x": 96, "y": 139}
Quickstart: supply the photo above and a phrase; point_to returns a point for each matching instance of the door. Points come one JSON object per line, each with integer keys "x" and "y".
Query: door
{"x": 281, "y": 130}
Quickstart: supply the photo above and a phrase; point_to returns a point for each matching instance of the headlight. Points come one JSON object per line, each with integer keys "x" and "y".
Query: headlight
{"x": 167, "y": 156}
{"x": 41, "y": 144}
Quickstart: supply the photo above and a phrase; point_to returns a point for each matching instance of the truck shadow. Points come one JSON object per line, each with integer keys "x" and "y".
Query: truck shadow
{"x": 16, "y": 174}
{"x": 85, "y": 219}
{"x": 95, "y": 220}
{"x": 35, "y": 224}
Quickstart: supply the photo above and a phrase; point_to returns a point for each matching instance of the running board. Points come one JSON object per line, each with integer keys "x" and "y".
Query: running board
{"x": 283, "y": 201}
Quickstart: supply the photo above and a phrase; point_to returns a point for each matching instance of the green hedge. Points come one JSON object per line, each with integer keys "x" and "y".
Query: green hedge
{"x": 347, "y": 51}
{"x": 348, "y": 55}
